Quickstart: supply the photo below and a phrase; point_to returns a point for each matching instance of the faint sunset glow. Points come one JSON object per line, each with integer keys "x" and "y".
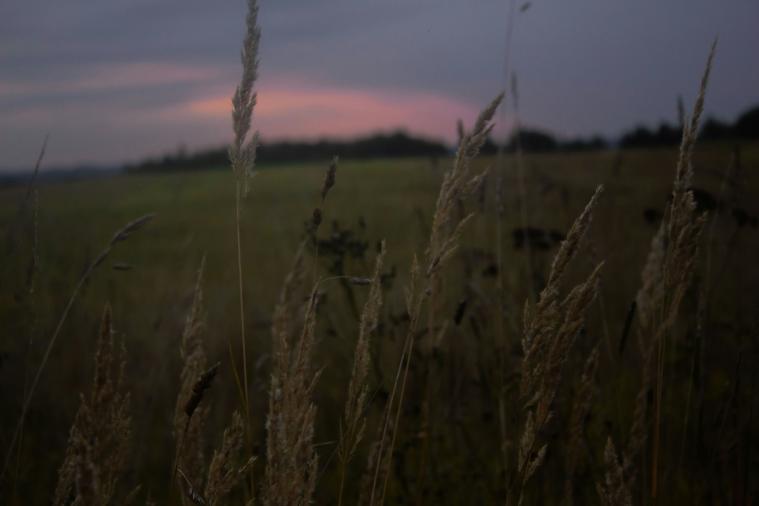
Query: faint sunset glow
{"x": 292, "y": 111}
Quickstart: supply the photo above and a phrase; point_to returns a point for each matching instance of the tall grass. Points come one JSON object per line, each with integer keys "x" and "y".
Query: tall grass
{"x": 242, "y": 155}
{"x": 462, "y": 407}
{"x": 120, "y": 236}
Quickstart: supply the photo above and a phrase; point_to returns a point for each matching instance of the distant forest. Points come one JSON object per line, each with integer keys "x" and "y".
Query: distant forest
{"x": 401, "y": 144}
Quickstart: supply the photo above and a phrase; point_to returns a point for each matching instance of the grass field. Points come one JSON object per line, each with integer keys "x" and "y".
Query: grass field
{"x": 449, "y": 447}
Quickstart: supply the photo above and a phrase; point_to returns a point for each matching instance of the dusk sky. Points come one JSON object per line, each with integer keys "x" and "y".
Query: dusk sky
{"x": 117, "y": 80}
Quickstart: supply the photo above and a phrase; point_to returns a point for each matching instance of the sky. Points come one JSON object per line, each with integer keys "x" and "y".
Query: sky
{"x": 114, "y": 81}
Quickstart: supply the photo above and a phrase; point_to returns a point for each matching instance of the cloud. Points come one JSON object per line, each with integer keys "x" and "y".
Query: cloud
{"x": 296, "y": 110}
{"x": 159, "y": 72}
{"x": 112, "y": 78}
{"x": 115, "y": 125}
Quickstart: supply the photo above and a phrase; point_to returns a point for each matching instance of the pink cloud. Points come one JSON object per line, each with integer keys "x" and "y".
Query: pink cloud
{"x": 288, "y": 107}
{"x": 289, "y": 110}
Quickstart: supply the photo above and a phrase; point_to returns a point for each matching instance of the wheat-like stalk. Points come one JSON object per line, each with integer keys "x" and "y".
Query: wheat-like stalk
{"x": 583, "y": 401}
{"x": 242, "y": 156}
{"x": 189, "y": 423}
{"x": 291, "y": 462}
{"x": 551, "y": 327}
{"x": 228, "y": 467}
{"x": 666, "y": 277}
{"x": 121, "y": 235}
{"x": 225, "y": 470}
{"x": 354, "y": 419}
{"x": 447, "y": 225}
{"x": 613, "y": 490}
{"x": 99, "y": 440}
{"x": 551, "y": 324}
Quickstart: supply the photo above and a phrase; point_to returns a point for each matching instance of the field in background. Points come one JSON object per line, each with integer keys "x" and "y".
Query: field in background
{"x": 148, "y": 280}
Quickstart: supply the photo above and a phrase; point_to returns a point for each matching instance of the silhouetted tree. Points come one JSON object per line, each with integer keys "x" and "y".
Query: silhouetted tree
{"x": 715, "y": 129}
{"x": 396, "y": 144}
{"x": 535, "y": 141}
{"x": 594, "y": 143}
{"x": 665, "y": 135}
{"x": 747, "y": 125}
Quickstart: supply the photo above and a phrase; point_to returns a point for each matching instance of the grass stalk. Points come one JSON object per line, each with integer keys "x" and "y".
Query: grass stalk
{"x": 238, "y": 243}
{"x": 242, "y": 156}
{"x": 447, "y": 226}
{"x": 121, "y": 235}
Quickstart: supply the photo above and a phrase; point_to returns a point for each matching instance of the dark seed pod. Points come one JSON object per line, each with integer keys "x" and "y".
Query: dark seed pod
{"x": 329, "y": 178}
{"x": 199, "y": 389}
{"x": 316, "y": 218}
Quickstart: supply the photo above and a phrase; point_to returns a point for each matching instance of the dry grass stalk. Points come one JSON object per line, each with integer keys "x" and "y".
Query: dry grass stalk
{"x": 19, "y": 221}
{"x": 190, "y": 416}
{"x": 666, "y": 277}
{"x": 460, "y": 132}
{"x": 676, "y": 240}
{"x": 376, "y": 459}
{"x": 32, "y": 272}
{"x": 189, "y": 423}
{"x": 704, "y": 294}
{"x": 316, "y": 215}
{"x": 551, "y": 325}
{"x": 522, "y": 185}
{"x": 288, "y": 317}
{"x": 99, "y": 439}
{"x": 580, "y": 410}
{"x": 447, "y": 225}
{"x": 242, "y": 156}
{"x": 354, "y": 419}
{"x": 457, "y": 184}
{"x": 291, "y": 462}
{"x": 291, "y": 466}
{"x": 34, "y": 260}
{"x": 190, "y": 491}
{"x": 329, "y": 179}
{"x": 120, "y": 235}
{"x": 529, "y": 459}
{"x": 550, "y": 329}
{"x": 227, "y": 468}
{"x": 242, "y": 152}
{"x": 613, "y": 491}
{"x": 199, "y": 389}
{"x": 500, "y": 309}
{"x": 132, "y": 496}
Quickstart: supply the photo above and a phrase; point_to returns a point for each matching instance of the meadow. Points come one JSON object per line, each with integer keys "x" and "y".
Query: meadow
{"x": 453, "y": 421}
{"x": 566, "y": 328}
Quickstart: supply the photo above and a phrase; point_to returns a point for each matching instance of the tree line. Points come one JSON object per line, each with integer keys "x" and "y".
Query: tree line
{"x": 401, "y": 144}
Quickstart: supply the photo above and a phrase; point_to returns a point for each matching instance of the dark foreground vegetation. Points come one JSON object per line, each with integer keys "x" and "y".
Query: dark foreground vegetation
{"x": 545, "y": 328}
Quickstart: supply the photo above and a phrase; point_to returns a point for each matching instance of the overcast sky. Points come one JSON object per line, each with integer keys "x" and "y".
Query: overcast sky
{"x": 116, "y": 80}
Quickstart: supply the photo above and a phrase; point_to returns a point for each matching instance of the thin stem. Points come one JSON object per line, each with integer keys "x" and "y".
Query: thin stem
{"x": 119, "y": 236}
{"x": 658, "y": 417}
{"x": 522, "y": 192}
{"x": 246, "y": 399}
{"x": 412, "y": 331}
{"x": 386, "y": 422}
{"x": 342, "y": 484}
